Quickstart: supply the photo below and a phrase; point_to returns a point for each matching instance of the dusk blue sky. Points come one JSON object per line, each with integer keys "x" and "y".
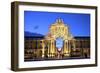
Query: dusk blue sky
{"x": 39, "y": 22}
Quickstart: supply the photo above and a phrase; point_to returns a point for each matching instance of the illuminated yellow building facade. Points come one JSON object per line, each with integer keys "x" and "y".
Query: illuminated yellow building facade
{"x": 47, "y": 46}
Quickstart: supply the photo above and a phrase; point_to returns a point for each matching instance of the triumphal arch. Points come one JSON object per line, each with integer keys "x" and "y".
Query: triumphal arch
{"x": 58, "y": 41}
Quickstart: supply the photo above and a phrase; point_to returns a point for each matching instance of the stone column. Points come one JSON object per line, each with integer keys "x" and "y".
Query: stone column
{"x": 52, "y": 47}
{"x": 65, "y": 48}
{"x": 48, "y": 48}
{"x": 43, "y": 46}
{"x": 69, "y": 47}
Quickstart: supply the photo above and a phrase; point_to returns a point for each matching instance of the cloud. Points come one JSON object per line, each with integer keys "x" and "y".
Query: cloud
{"x": 36, "y": 27}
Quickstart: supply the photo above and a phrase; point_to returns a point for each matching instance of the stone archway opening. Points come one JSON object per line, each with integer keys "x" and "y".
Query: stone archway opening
{"x": 59, "y": 43}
